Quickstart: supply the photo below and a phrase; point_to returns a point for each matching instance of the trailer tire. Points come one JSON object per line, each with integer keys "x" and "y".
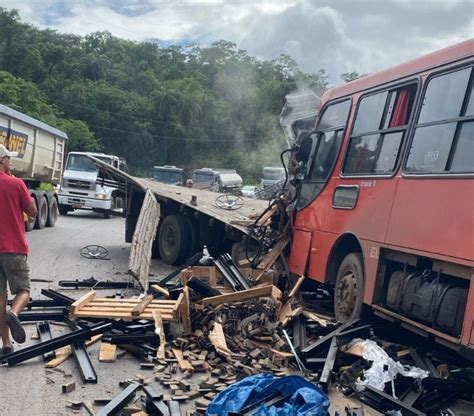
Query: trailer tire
{"x": 349, "y": 288}
{"x": 29, "y": 226}
{"x": 63, "y": 209}
{"x": 53, "y": 213}
{"x": 175, "y": 240}
{"x": 42, "y": 215}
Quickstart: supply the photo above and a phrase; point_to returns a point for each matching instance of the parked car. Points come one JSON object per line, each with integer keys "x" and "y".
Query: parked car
{"x": 249, "y": 191}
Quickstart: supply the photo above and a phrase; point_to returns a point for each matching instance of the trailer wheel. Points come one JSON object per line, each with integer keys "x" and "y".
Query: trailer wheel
{"x": 29, "y": 226}
{"x": 63, "y": 209}
{"x": 53, "y": 213}
{"x": 349, "y": 288}
{"x": 175, "y": 240}
{"x": 42, "y": 216}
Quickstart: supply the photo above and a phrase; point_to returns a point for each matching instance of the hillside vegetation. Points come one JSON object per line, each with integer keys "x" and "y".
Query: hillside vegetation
{"x": 188, "y": 106}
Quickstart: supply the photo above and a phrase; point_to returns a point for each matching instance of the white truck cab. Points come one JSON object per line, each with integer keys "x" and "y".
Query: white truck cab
{"x": 80, "y": 188}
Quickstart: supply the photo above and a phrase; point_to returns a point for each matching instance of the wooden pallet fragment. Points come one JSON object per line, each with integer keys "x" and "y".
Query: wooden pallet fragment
{"x": 89, "y": 306}
{"x": 256, "y": 292}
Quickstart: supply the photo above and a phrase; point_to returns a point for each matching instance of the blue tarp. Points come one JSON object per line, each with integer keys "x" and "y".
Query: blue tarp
{"x": 304, "y": 398}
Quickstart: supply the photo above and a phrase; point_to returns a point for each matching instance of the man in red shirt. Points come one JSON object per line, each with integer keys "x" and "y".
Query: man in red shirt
{"x": 14, "y": 271}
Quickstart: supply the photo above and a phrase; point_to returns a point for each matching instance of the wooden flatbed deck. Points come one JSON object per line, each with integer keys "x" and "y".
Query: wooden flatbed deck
{"x": 205, "y": 202}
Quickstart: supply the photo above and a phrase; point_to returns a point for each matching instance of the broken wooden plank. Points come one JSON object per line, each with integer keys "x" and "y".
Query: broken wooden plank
{"x": 143, "y": 237}
{"x": 160, "y": 331}
{"x": 107, "y": 353}
{"x": 140, "y": 308}
{"x": 161, "y": 290}
{"x": 184, "y": 364}
{"x": 62, "y": 354}
{"x": 185, "y": 311}
{"x": 81, "y": 302}
{"x": 217, "y": 338}
{"x": 257, "y": 292}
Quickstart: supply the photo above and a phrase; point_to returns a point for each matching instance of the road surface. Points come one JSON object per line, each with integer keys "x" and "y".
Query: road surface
{"x": 28, "y": 388}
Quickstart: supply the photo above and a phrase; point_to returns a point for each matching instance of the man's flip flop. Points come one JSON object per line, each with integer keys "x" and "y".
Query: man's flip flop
{"x": 18, "y": 333}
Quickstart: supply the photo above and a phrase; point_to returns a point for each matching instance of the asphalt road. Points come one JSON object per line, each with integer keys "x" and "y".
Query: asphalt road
{"x": 30, "y": 389}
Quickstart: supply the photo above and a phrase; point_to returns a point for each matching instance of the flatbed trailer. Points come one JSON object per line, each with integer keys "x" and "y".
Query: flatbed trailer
{"x": 189, "y": 218}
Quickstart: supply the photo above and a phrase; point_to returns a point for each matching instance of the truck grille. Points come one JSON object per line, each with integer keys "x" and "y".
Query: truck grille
{"x": 78, "y": 184}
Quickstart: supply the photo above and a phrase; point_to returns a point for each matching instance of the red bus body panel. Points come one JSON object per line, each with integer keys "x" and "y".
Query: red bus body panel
{"x": 431, "y": 217}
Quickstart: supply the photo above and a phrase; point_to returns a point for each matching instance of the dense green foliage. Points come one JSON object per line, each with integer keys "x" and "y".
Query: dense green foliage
{"x": 189, "y": 106}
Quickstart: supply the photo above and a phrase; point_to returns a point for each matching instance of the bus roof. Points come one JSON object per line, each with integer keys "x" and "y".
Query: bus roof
{"x": 415, "y": 66}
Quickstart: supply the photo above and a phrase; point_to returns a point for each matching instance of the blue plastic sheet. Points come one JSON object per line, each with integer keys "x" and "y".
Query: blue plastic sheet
{"x": 304, "y": 398}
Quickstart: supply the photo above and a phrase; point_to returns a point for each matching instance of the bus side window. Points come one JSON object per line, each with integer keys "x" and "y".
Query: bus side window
{"x": 444, "y": 136}
{"x": 376, "y": 139}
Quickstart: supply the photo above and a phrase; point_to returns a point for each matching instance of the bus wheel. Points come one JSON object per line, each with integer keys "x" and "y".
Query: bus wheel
{"x": 349, "y": 288}
{"x": 42, "y": 216}
{"x": 53, "y": 213}
{"x": 175, "y": 240}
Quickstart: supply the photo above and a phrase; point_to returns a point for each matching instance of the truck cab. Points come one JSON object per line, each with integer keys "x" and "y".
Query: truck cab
{"x": 168, "y": 174}
{"x": 272, "y": 176}
{"x": 217, "y": 180}
{"x": 80, "y": 188}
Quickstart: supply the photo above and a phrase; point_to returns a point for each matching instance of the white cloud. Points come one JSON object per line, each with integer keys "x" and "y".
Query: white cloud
{"x": 337, "y": 35}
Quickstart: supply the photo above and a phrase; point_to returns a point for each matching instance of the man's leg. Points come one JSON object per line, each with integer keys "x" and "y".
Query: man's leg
{"x": 4, "y": 329}
{"x": 20, "y": 301}
{"x": 18, "y": 276}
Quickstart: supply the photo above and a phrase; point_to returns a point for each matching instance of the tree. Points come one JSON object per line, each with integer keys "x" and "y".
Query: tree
{"x": 81, "y": 138}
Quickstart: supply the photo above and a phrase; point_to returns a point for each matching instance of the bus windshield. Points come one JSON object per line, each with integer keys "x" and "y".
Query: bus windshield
{"x": 80, "y": 163}
{"x": 203, "y": 177}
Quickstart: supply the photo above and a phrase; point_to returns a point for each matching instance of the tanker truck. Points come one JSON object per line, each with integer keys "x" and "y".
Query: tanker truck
{"x": 39, "y": 163}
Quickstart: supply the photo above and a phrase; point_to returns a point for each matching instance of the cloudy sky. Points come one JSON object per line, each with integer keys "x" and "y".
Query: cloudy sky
{"x": 337, "y": 35}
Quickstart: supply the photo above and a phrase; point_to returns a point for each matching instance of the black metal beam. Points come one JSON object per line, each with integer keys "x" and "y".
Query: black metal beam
{"x": 384, "y": 402}
{"x": 97, "y": 284}
{"x": 299, "y": 332}
{"x": 325, "y": 378}
{"x": 327, "y": 338}
{"x": 44, "y": 332}
{"x": 154, "y": 403}
{"x": 55, "y": 343}
{"x": 190, "y": 262}
{"x": 119, "y": 401}
{"x": 130, "y": 338}
{"x": 59, "y": 298}
{"x": 83, "y": 361}
{"x": 57, "y": 314}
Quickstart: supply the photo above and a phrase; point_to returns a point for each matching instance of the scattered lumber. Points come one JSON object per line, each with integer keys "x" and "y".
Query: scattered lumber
{"x": 257, "y": 292}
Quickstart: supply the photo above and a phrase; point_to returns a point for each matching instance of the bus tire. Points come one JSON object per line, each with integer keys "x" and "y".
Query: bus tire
{"x": 63, "y": 209}
{"x": 175, "y": 240}
{"x": 349, "y": 288}
{"x": 42, "y": 216}
{"x": 52, "y": 213}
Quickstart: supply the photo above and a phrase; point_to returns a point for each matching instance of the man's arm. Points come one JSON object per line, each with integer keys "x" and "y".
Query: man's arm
{"x": 28, "y": 204}
{"x": 31, "y": 209}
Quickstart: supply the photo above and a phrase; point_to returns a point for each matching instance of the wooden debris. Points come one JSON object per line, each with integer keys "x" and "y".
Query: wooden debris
{"x": 62, "y": 354}
{"x": 257, "y": 292}
{"x": 160, "y": 331}
{"x": 140, "y": 308}
{"x": 143, "y": 237}
{"x": 217, "y": 338}
{"x": 68, "y": 387}
{"x": 184, "y": 365}
{"x": 107, "y": 353}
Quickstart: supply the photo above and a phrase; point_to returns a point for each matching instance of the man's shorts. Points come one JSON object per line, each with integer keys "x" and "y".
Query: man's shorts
{"x": 14, "y": 269}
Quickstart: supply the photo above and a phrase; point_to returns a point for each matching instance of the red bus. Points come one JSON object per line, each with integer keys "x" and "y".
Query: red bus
{"x": 385, "y": 212}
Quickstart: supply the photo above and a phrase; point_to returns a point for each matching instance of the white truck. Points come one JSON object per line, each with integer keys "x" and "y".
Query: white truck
{"x": 41, "y": 150}
{"x": 81, "y": 189}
